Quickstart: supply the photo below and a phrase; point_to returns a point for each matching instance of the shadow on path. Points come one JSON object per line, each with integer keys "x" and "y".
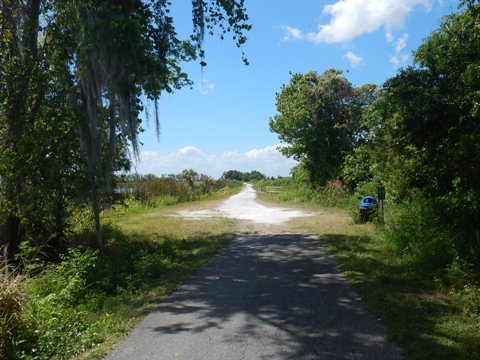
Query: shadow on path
{"x": 262, "y": 297}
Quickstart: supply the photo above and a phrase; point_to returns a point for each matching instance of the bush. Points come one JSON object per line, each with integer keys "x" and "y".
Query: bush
{"x": 61, "y": 325}
{"x": 467, "y": 299}
{"x": 458, "y": 273}
{"x": 161, "y": 201}
{"x": 415, "y": 230}
{"x": 65, "y": 283}
{"x": 64, "y": 313}
{"x": 333, "y": 194}
{"x": 464, "y": 290}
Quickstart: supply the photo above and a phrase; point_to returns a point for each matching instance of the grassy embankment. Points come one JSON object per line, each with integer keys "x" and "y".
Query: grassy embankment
{"x": 84, "y": 305}
{"x": 431, "y": 314}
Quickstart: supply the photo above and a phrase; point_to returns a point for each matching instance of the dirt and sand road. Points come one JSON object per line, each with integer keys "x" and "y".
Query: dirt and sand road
{"x": 264, "y": 296}
{"x": 244, "y": 206}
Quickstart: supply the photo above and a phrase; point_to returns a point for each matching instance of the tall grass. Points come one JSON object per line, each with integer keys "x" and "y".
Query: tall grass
{"x": 416, "y": 233}
{"x": 11, "y": 321}
{"x": 333, "y": 194}
{"x": 160, "y": 192}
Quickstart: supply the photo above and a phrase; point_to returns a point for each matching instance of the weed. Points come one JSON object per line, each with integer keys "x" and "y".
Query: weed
{"x": 414, "y": 230}
{"x": 467, "y": 300}
{"x": 11, "y": 322}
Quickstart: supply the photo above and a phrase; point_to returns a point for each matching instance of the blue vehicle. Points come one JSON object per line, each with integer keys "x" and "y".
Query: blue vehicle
{"x": 367, "y": 207}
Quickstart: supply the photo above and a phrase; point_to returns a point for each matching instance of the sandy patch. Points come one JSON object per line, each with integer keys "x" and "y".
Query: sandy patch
{"x": 244, "y": 206}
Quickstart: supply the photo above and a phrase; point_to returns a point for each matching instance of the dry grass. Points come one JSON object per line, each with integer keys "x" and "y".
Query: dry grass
{"x": 11, "y": 300}
{"x": 164, "y": 222}
{"x": 323, "y": 221}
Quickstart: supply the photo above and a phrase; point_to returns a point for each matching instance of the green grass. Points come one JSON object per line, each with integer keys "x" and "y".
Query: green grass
{"x": 331, "y": 195}
{"x": 83, "y": 307}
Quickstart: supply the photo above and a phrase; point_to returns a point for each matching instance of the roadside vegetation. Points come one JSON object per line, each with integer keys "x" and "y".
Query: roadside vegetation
{"x": 146, "y": 191}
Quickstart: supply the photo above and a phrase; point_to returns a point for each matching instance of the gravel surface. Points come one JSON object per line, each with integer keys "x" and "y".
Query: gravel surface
{"x": 243, "y": 206}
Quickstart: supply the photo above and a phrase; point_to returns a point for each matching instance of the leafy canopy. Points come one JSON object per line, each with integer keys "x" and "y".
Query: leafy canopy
{"x": 318, "y": 118}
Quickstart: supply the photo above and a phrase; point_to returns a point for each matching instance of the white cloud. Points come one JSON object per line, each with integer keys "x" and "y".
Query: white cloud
{"x": 401, "y": 43}
{"x": 205, "y": 87}
{"x": 267, "y": 160}
{"x": 389, "y": 36}
{"x": 395, "y": 61}
{"x": 292, "y": 33}
{"x": 398, "y": 60}
{"x": 190, "y": 151}
{"x": 352, "y": 18}
{"x": 354, "y": 59}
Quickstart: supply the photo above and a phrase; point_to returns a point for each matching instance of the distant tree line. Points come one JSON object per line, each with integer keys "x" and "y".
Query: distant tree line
{"x": 243, "y": 176}
{"x": 418, "y": 135}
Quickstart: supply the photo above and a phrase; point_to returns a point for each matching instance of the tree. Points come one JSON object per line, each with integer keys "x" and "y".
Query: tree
{"x": 233, "y": 175}
{"x": 447, "y": 128}
{"x": 255, "y": 175}
{"x": 20, "y": 100}
{"x": 207, "y": 183}
{"x": 318, "y": 117}
{"x": 189, "y": 175}
{"x": 98, "y": 60}
{"x": 243, "y": 176}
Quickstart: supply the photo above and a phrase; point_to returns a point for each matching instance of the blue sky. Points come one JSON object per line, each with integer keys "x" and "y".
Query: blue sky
{"x": 222, "y": 123}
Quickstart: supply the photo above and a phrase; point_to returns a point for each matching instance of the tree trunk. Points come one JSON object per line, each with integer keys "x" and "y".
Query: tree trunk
{"x": 10, "y": 234}
{"x": 96, "y": 211}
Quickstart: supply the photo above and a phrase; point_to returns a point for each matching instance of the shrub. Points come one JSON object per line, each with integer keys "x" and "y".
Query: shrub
{"x": 467, "y": 299}
{"x": 415, "y": 230}
{"x": 59, "y": 324}
{"x": 458, "y": 273}
{"x": 333, "y": 194}
{"x": 161, "y": 201}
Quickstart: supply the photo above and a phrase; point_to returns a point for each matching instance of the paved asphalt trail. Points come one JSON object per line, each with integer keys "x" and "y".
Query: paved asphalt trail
{"x": 262, "y": 297}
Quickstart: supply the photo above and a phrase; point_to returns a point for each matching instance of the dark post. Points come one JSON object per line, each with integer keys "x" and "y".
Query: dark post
{"x": 381, "y": 197}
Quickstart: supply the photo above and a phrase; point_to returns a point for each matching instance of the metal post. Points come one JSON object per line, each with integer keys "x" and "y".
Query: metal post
{"x": 383, "y": 217}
